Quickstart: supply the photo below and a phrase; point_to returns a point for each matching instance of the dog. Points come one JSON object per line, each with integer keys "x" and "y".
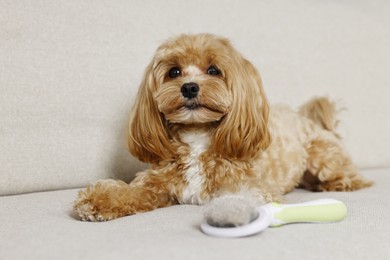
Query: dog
{"x": 202, "y": 121}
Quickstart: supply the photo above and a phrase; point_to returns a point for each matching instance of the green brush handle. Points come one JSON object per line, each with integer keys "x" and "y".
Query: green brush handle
{"x": 317, "y": 211}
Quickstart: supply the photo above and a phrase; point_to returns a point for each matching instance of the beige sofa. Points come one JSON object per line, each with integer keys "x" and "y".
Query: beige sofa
{"x": 69, "y": 72}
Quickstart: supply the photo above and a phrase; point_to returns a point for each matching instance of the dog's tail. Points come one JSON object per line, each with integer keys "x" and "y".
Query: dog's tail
{"x": 321, "y": 111}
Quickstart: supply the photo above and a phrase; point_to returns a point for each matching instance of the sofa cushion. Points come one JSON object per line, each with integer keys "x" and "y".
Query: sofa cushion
{"x": 69, "y": 72}
{"x": 42, "y": 226}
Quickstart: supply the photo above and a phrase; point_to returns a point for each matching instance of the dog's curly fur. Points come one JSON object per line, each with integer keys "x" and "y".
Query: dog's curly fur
{"x": 223, "y": 138}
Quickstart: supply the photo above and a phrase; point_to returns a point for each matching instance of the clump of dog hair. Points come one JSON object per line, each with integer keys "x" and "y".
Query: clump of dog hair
{"x": 230, "y": 210}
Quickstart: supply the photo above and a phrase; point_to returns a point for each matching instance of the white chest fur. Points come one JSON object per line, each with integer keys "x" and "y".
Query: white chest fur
{"x": 198, "y": 142}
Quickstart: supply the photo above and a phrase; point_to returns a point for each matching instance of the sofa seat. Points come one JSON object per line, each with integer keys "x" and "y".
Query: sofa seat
{"x": 42, "y": 226}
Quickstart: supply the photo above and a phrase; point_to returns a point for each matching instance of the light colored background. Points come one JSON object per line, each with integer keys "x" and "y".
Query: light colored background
{"x": 69, "y": 72}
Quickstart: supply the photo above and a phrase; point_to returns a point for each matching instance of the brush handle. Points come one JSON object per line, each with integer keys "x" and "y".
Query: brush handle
{"x": 317, "y": 211}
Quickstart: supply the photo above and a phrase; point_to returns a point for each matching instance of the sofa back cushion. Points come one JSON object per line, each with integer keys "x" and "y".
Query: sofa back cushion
{"x": 70, "y": 70}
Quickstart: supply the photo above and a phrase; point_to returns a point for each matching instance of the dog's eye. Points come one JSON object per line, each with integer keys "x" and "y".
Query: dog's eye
{"x": 214, "y": 71}
{"x": 174, "y": 72}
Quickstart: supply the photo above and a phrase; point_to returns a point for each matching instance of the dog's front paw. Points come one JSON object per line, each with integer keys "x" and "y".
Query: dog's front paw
{"x": 89, "y": 212}
{"x": 101, "y": 202}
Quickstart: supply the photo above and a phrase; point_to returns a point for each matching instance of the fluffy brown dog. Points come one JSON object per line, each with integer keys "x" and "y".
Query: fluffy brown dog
{"x": 203, "y": 122}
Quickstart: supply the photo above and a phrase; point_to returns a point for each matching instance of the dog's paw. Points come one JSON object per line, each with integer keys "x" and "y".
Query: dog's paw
{"x": 100, "y": 202}
{"x": 89, "y": 212}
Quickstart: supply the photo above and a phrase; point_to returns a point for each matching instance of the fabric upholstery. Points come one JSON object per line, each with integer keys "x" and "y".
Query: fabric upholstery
{"x": 69, "y": 72}
{"x": 41, "y": 226}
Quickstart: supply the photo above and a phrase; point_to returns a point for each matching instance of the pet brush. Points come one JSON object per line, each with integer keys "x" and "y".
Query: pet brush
{"x": 274, "y": 215}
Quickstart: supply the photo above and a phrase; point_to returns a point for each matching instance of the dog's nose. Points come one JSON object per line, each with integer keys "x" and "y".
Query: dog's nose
{"x": 190, "y": 90}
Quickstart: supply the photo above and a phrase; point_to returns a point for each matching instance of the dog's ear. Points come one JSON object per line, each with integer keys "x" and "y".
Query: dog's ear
{"x": 243, "y": 133}
{"x": 148, "y": 137}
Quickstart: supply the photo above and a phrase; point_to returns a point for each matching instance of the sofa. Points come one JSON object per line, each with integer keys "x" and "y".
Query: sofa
{"x": 69, "y": 74}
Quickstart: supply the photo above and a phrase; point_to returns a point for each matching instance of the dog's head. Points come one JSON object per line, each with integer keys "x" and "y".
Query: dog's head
{"x": 199, "y": 79}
